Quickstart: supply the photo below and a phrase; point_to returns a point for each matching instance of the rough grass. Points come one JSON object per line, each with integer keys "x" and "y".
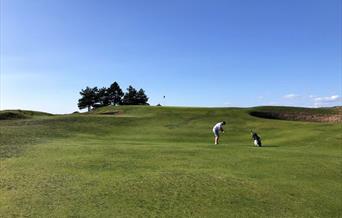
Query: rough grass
{"x": 318, "y": 111}
{"x": 161, "y": 162}
{"x": 332, "y": 114}
{"x": 20, "y": 114}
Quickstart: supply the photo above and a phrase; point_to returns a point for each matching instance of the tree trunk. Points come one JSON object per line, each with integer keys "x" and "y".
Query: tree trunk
{"x": 88, "y": 108}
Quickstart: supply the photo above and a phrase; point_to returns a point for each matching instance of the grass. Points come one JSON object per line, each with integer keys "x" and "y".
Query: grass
{"x": 161, "y": 162}
{"x": 312, "y": 111}
{"x": 21, "y": 114}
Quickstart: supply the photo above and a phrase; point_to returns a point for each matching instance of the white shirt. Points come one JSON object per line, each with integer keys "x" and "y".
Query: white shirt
{"x": 218, "y": 126}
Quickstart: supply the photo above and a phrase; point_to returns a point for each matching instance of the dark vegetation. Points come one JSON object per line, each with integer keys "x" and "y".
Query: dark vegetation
{"x": 20, "y": 114}
{"x": 95, "y": 97}
{"x": 299, "y": 114}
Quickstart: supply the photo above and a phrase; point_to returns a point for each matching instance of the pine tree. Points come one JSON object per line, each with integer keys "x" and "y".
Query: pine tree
{"x": 88, "y": 98}
{"x": 141, "y": 98}
{"x": 130, "y": 96}
{"x": 115, "y": 94}
{"x": 102, "y": 97}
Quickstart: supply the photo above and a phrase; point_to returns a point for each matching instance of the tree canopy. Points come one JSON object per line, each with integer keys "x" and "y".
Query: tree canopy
{"x": 94, "y": 97}
{"x": 88, "y": 98}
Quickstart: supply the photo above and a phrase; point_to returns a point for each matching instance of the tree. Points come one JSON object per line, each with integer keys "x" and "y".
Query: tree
{"x": 102, "y": 97}
{"x": 88, "y": 98}
{"x": 141, "y": 98}
{"x": 134, "y": 97}
{"x": 94, "y": 97}
{"x": 115, "y": 94}
{"x": 130, "y": 96}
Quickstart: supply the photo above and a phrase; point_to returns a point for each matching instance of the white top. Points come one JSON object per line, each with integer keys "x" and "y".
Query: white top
{"x": 218, "y": 126}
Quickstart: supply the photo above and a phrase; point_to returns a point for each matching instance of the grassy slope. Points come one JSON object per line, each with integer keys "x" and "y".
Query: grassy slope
{"x": 312, "y": 111}
{"x": 158, "y": 161}
{"x": 21, "y": 114}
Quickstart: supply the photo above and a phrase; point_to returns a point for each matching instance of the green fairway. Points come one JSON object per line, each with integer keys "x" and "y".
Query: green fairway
{"x": 140, "y": 161}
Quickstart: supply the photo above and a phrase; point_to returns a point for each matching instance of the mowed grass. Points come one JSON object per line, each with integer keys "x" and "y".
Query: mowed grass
{"x": 161, "y": 162}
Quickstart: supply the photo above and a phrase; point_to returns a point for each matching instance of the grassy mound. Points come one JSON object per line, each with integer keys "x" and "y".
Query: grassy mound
{"x": 299, "y": 114}
{"x": 128, "y": 111}
{"x": 161, "y": 162}
{"x": 20, "y": 114}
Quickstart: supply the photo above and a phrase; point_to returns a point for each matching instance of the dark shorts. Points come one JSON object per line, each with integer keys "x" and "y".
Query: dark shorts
{"x": 216, "y": 132}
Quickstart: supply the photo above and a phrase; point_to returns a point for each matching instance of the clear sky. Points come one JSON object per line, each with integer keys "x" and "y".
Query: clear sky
{"x": 195, "y": 52}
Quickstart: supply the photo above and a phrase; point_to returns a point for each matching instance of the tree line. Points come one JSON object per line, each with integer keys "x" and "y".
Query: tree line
{"x": 99, "y": 97}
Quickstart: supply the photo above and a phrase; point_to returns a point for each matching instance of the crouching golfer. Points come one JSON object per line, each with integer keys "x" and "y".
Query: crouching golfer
{"x": 216, "y": 129}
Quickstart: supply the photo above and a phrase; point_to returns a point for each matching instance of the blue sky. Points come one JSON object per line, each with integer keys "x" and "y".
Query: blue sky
{"x": 196, "y": 53}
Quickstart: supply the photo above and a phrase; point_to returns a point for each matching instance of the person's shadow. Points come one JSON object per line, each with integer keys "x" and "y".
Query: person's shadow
{"x": 270, "y": 146}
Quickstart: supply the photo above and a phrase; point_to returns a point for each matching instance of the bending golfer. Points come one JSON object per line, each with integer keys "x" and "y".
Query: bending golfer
{"x": 216, "y": 129}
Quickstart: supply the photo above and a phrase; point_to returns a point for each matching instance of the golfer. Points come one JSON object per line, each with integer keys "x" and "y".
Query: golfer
{"x": 216, "y": 129}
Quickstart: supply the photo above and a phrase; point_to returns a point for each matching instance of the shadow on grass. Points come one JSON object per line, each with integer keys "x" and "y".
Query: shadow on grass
{"x": 219, "y": 146}
{"x": 269, "y": 146}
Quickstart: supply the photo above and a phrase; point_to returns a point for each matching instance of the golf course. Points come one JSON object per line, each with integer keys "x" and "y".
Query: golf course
{"x": 148, "y": 161}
